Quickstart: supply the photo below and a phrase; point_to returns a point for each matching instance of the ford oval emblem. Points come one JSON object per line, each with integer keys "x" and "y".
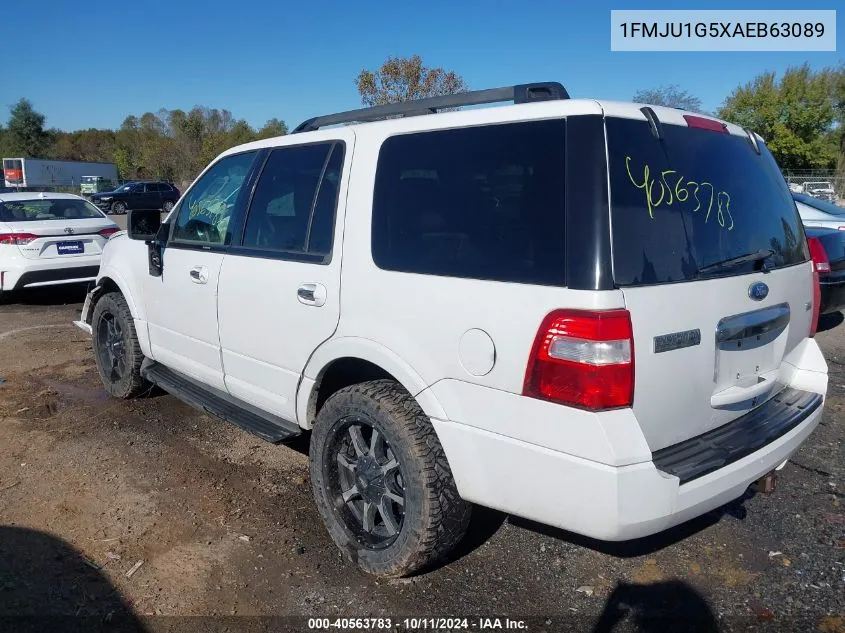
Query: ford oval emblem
{"x": 758, "y": 291}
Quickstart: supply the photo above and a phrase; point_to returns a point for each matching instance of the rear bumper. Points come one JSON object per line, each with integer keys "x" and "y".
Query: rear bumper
{"x": 20, "y": 272}
{"x": 612, "y": 503}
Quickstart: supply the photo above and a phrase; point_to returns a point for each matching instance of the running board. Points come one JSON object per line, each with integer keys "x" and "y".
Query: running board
{"x": 219, "y": 404}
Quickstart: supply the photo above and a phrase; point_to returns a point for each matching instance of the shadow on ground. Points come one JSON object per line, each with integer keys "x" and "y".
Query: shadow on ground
{"x": 61, "y": 294}
{"x": 656, "y": 608}
{"x": 47, "y": 585}
{"x": 830, "y": 321}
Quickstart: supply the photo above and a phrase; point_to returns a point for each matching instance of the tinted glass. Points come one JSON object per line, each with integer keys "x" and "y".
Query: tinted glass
{"x": 57, "y": 209}
{"x": 697, "y": 198}
{"x": 203, "y": 215}
{"x": 322, "y": 224}
{"x": 154, "y": 187}
{"x": 820, "y": 205}
{"x": 485, "y": 202}
{"x": 280, "y": 214}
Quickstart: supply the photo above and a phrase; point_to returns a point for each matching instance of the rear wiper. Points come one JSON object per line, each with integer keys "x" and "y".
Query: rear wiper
{"x": 757, "y": 256}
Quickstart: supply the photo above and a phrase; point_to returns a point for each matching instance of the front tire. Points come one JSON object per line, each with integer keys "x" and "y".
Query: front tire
{"x": 381, "y": 480}
{"x": 116, "y": 350}
{"x": 118, "y": 208}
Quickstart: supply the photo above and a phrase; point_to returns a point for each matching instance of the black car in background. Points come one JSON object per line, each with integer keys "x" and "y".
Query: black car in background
{"x": 830, "y": 267}
{"x": 155, "y": 194}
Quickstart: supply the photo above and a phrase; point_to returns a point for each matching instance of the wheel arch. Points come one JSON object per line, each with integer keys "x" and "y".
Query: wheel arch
{"x": 112, "y": 281}
{"x": 349, "y": 360}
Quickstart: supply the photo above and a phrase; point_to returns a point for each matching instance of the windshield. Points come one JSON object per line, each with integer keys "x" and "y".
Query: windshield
{"x": 56, "y": 209}
{"x": 819, "y": 205}
{"x": 695, "y": 199}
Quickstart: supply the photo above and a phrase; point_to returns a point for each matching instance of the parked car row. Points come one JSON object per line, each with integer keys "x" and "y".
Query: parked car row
{"x": 138, "y": 195}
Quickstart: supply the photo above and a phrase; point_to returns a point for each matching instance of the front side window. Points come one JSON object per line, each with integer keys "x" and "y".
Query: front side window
{"x": 293, "y": 207}
{"x": 484, "y": 202}
{"x": 204, "y": 213}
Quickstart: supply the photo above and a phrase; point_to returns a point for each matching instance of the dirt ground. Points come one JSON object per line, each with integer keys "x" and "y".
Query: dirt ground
{"x": 224, "y": 525}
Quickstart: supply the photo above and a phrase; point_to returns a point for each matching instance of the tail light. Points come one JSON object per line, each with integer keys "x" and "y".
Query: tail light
{"x": 583, "y": 359}
{"x": 17, "y": 238}
{"x": 109, "y": 232}
{"x": 821, "y": 266}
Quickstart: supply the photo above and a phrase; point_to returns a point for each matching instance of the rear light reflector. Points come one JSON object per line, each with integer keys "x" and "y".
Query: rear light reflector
{"x": 110, "y": 231}
{"x": 821, "y": 265}
{"x": 705, "y": 124}
{"x": 17, "y": 238}
{"x": 583, "y": 359}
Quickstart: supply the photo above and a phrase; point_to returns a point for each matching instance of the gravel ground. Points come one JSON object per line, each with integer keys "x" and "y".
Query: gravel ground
{"x": 224, "y": 525}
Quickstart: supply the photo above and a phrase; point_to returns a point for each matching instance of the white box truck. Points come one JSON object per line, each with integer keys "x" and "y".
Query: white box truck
{"x": 33, "y": 173}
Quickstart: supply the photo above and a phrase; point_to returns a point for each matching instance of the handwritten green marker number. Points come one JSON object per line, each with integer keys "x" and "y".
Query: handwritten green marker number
{"x": 704, "y": 195}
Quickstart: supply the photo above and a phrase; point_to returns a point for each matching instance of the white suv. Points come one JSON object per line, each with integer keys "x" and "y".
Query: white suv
{"x": 595, "y": 315}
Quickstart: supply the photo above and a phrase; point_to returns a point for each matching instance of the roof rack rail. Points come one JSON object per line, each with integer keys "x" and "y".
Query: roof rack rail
{"x": 521, "y": 93}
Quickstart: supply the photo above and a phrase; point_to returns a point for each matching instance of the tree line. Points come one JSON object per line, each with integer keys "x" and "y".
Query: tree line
{"x": 169, "y": 145}
{"x": 800, "y": 114}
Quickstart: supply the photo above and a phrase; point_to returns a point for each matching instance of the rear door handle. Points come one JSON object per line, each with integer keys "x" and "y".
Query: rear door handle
{"x": 311, "y": 294}
{"x": 199, "y": 275}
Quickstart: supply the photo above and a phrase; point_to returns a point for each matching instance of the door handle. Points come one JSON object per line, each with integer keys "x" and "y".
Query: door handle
{"x": 311, "y": 294}
{"x": 199, "y": 275}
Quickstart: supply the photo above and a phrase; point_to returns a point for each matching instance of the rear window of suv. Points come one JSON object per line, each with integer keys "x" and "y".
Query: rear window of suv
{"x": 483, "y": 202}
{"x": 693, "y": 199}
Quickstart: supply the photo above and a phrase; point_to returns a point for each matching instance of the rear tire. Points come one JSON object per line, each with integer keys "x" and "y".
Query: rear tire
{"x": 116, "y": 350}
{"x": 167, "y": 207}
{"x": 118, "y": 208}
{"x": 381, "y": 480}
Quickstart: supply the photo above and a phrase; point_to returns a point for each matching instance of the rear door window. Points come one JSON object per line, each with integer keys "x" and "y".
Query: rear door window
{"x": 484, "y": 202}
{"x": 293, "y": 208}
{"x": 693, "y": 199}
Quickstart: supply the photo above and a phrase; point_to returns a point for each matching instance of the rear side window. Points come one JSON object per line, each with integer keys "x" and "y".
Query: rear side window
{"x": 293, "y": 207}
{"x": 484, "y": 202}
{"x": 694, "y": 199}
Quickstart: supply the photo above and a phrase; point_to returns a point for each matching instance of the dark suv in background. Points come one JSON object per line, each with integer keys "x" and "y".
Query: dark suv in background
{"x": 138, "y": 195}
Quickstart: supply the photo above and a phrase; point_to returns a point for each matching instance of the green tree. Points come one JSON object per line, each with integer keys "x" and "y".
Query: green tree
{"x": 403, "y": 79}
{"x": 795, "y": 115}
{"x": 837, "y": 80}
{"x": 25, "y": 132}
{"x": 273, "y": 127}
{"x": 671, "y": 96}
{"x": 4, "y": 137}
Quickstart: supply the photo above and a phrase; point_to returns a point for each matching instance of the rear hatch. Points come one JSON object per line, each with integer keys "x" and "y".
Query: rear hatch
{"x": 55, "y": 228}
{"x": 712, "y": 261}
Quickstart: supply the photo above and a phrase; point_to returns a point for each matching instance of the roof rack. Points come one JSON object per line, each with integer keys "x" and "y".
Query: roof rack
{"x": 521, "y": 93}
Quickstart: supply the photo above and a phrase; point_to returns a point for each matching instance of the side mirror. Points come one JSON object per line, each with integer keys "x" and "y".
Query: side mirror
{"x": 143, "y": 224}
